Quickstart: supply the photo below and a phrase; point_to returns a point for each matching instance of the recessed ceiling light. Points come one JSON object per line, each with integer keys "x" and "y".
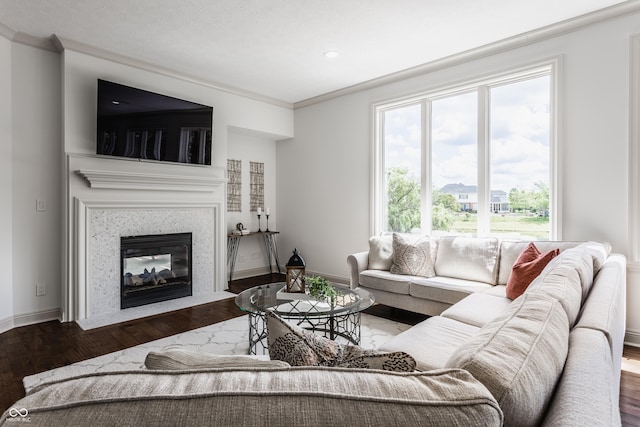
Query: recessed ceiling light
{"x": 330, "y": 54}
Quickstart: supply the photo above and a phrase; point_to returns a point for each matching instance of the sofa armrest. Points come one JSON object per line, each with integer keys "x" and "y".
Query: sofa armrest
{"x": 358, "y": 262}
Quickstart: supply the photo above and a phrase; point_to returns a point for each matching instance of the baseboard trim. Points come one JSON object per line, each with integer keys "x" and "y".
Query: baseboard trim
{"x": 6, "y": 324}
{"x": 334, "y": 279}
{"x": 9, "y": 323}
{"x": 38, "y": 317}
{"x": 252, "y": 272}
{"x": 632, "y": 338}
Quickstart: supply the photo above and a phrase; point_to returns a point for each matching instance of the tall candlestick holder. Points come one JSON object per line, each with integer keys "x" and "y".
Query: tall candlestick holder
{"x": 267, "y": 230}
{"x": 259, "y": 230}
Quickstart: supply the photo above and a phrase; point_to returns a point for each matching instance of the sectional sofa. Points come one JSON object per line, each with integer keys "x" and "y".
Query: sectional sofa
{"x": 549, "y": 357}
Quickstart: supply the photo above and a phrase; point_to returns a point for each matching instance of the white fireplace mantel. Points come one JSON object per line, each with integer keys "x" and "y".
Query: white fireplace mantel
{"x": 109, "y": 198}
{"x": 98, "y": 225}
{"x": 119, "y": 180}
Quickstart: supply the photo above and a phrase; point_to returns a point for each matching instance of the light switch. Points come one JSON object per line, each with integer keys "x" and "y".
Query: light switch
{"x": 41, "y": 289}
{"x": 41, "y": 205}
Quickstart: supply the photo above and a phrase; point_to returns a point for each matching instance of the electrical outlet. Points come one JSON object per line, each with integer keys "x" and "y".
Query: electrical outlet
{"x": 241, "y": 258}
{"x": 41, "y": 289}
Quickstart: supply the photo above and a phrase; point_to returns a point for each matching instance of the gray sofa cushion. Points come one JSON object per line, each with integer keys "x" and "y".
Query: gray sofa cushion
{"x": 385, "y": 281}
{"x": 519, "y": 357}
{"x": 566, "y": 278}
{"x": 469, "y": 258}
{"x": 264, "y": 396}
{"x": 431, "y": 342}
{"x": 178, "y": 358}
{"x": 477, "y": 309}
{"x": 497, "y": 290}
{"x": 445, "y": 289}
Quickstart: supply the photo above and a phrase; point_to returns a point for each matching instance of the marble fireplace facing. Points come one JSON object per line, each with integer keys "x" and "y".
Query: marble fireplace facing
{"x": 108, "y": 226}
{"x": 110, "y": 201}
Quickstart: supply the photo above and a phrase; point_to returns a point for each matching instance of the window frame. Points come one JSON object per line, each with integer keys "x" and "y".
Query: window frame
{"x": 550, "y": 67}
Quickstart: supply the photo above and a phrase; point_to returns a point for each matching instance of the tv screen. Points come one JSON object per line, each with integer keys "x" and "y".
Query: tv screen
{"x": 138, "y": 124}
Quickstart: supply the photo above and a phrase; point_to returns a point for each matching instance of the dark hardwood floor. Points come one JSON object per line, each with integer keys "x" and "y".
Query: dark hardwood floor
{"x": 36, "y": 348}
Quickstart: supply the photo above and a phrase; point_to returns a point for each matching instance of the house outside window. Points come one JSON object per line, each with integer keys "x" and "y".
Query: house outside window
{"x": 475, "y": 159}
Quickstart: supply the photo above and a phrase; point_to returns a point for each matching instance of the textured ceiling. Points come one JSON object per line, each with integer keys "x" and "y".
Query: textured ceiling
{"x": 275, "y": 47}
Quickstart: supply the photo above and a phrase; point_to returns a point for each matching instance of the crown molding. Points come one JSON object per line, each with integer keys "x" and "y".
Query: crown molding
{"x": 63, "y": 44}
{"x": 26, "y": 39}
{"x": 59, "y": 44}
{"x": 33, "y": 41}
{"x": 510, "y": 43}
{"x": 6, "y": 32}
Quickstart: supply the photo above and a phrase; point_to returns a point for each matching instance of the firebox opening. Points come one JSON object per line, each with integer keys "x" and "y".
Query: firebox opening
{"x": 155, "y": 268}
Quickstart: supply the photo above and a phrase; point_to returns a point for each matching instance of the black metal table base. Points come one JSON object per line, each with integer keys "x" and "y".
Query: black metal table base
{"x": 268, "y": 242}
{"x": 343, "y": 328}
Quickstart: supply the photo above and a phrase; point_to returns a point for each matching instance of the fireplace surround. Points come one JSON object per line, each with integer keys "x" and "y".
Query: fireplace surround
{"x": 154, "y": 268}
{"x": 108, "y": 199}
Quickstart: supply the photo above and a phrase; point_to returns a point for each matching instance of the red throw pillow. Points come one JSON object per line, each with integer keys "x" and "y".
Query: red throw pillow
{"x": 528, "y": 266}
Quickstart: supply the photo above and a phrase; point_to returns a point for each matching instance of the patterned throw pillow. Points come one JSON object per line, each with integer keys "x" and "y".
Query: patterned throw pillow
{"x": 412, "y": 259}
{"x": 299, "y": 347}
{"x": 357, "y": 357}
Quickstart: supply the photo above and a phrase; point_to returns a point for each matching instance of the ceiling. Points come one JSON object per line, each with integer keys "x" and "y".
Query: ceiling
{"x": 274, "y": 48}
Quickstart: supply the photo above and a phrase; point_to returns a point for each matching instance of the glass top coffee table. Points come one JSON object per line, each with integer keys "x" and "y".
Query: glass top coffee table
{"x": 336, "y": 320}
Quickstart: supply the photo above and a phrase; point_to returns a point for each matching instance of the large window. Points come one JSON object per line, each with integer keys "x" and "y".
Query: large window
{"x": 475, "y": 159}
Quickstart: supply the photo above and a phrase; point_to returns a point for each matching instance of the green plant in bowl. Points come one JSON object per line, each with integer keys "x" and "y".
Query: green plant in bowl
{"x": 320, "y": 288}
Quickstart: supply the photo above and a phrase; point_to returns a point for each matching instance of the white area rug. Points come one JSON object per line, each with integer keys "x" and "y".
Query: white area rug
{"x": 151, "y": 309}
{"x": 228, "y": 337}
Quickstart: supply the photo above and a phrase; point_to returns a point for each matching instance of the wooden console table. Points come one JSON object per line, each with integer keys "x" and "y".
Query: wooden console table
{"x": 269, "y": 242}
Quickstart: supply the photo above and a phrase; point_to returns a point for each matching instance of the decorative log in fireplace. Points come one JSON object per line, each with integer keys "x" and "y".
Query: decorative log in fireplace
{"x": 154, "y": 268}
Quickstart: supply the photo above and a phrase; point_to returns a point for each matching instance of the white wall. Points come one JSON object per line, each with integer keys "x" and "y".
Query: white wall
{"x": 80, "y": 74}
{"x": 253, "y": 147}
{"x": 323, "y": 200}
{"x": 329, "y": 158}
{"x": 51, "y": 110}
{"x": 323, "y": 184}
{"x": 6, "y": 148}
{"x": 36, "y": 175}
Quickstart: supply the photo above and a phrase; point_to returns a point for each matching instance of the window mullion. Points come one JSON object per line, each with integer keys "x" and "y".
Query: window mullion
{"x": 379, "y": 190}
{"x": 427, "y": 179}
{"x": 484, "y": 190}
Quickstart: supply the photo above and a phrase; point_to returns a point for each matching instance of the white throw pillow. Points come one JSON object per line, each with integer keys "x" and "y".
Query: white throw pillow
{"x": 468, "y": 258}
{"x": 380, "y": 252}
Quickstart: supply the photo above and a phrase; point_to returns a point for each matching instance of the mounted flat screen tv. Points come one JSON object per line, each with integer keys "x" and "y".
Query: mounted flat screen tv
{"x": 138, "y": 124}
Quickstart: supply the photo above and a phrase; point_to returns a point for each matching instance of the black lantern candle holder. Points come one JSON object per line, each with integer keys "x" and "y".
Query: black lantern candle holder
{"x": 295, "y": 280}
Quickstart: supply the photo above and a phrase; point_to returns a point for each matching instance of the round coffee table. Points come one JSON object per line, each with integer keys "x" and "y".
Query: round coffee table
{"x": 336, "y": 320}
